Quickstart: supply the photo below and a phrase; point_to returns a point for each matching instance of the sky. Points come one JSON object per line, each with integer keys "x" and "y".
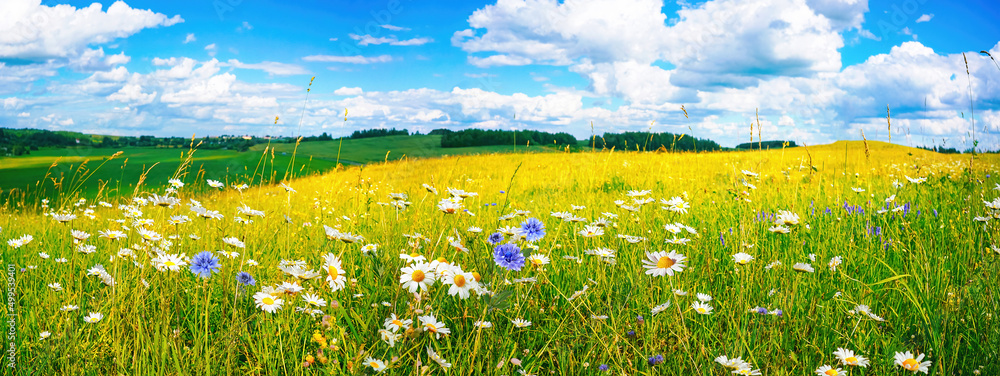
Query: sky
{"x": 811, "y": 71}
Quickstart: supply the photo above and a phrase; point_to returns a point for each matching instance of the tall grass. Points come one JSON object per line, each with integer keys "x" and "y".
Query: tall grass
{"x": 927, "y": 268}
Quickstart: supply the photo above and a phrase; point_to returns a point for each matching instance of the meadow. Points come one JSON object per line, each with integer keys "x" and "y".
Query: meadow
{"x": 844, "y": 259}
{"x": 50, "y": 172}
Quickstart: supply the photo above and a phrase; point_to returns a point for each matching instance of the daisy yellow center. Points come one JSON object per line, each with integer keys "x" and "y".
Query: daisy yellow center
{"x": 431, "y": 328}
{"x": 477, "y": 276}
{"x": 334, "y": 273}
{"x": 170, "y": 263}
{"x": 536, "y": 261}
{"x": 373, "y": 364}
{"x": 459, "y": 280}
{"x": 267, "y": 300}
{"x": 911, "y": 364}
{"x": 665, "y": 262}
{"x": 442, "y": 259}
{"x": 743, "y": 261}
{"x": 831, "y": 372}
{"x": 396, "y": 322}
{"x": 701, "y": 310}
{"x": 418, "y": 276}
{"x": 414, "y": 255}
{"x": 851, "y": 360}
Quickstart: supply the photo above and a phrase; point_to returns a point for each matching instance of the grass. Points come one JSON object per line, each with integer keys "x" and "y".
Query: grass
{"x": 33, "y": 173}
{"x": 927, "y": 268}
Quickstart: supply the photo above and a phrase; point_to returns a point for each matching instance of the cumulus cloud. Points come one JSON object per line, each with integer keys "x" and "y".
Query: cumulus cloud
{"x": 189, "y": 38}
{"x": 348, "y": 91}
{"x": 925, "y": 17}
{"x": 33, "y": 31}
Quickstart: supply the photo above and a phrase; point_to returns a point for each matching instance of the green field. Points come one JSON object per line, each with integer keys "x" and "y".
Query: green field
{"x": 34, "y": 173}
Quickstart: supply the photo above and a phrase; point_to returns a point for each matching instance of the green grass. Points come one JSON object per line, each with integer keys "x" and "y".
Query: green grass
{"x": 32, "y": 173}
{"x": 928, "y": 270}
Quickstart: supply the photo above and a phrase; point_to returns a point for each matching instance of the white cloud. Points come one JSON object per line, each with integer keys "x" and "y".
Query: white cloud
{"x": 189, "y": 38}
{"x": 357, "y": 59}
{"x": 392, "y": 40}
{"x": 212, "y": 49}
{"x": 394, "y": 28}
{"x": 23, "y": 115}
{"x": 246, "y": 26}
{"x": 30, "y": 30}
{"x": 271, "y": 67}
{"x": 925, "y": 17}
{"x": 66, "y": 122}
{"x": 349, "y": 91}
{"x": 133, "y": 95}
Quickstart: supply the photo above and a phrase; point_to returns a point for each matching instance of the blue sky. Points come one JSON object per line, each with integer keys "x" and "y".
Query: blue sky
{"x": 816, "y": 70}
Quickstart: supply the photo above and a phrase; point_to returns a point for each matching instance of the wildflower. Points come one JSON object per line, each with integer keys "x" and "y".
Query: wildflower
{"x": 909, "y": 363}
{"x": 495, "y": 238}
{"x": 779, "y": 229}
{"x": 826, "y": 370}
{"x": 176, "y": 183}
{"x": 375, "y": 364}
{"x": 215, "y": 183}
{"x": 245, "y": 279}
{"x": 785, "y": 217}
{"x": 591, "y": 231}
{"x": 538, "y": 260}
{"x": 43, "y": 335}
{"x": 171, "y": 262}
{"x": 204, "y": 264}
{"x": 532, "y": 229}
{"x": 19, "y": 242}
{"x": 508, "y": 256}
{"x": 437, "y": 358}
{"x": 660, "y": 308}
{"x": 389, "y": 337}
{"x": 394, "y": 323}
{"x": 742, "y": 258}
{"x": 662, "y": 263}
{"x": 736, "y": 363}
{"x": 55, "y": 286}
{"x": 369, "y": 248}
{"x": 835, "y": 261}
{"x": 68, "y": 308}
{"x": 603, "y": 367}
{"x": 416, "y": 277}
{"x": 460, "y": 282}
{"x": 676, "y": 205}
{"x": 848, "y": 358}
{"x": 749, "y": 173}
{"x": 520, "y": 323}
{"x": 803, "y": 267}
{"x": 335, "y": 276}
{"x": 314, "y": 300}
{"x": 93, "y": 317}
{"x": 483, "y": 324}
{"x": 431, "y": 324}
{"x": 267, "y": 302}
{"x": 747, "y": 371}
{"x": 79, "y": 236}
{"x": 702, "y": 308}
{"x": 449, "y": 206}
{"x": 234, "y": 242}
{"x": 703, "y": 297}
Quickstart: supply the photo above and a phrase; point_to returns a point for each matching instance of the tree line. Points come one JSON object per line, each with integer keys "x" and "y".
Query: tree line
{"x": 766, "y": 145}
{"x": 480, "y": 137}
{"x": 646, "y": 141}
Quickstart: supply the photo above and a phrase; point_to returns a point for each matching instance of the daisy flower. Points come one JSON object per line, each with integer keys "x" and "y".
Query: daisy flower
{"x": 826, "y": 370}
{"x": 335, "y": 277}
{"x": 735, "y": 363}
{"x": 215, "y": 183}
{"x": 95, "y": 317}
{"x": 70, "y": 307}
{"x": 56, "y": 286}
{"x": 779, "y": 229}
{"x": 449, "y": 206}
{"x": 747, "y": 371}
{"x": 520, "y": 323}
{"x": 314, "y": 300}
{"x": 742, "y": 258}
{"x": 437, "y": 358}
{"x": 267, "y": 302}
{"x": 483, "y": 324}
{"x": 377, "y": 365}
{"x": 389, "y": 337}
{"x": 661, "y": 263}
{"x": 430, "y": 324}
{"x": 910, "y": 363}
{"x": 171, "y": 262}
{"x": 848, "y": 358}
{"x": 538, "y": 260}
{"x": 176, "y": 183}
{"x": 591, "y": 231}
{"x": 785, "y": 217}
{"x": 416, "y": 277}
{"x": 660, "y": 308}
{"x": 460, "y": 282}
{"x": 234, "y": 242}
{"x": 43, "y": 335}
{"x": 803, "y": 267}
{"x": 395, "y": 324}
{"x": 704, "y": 297}
{"x": 369, "y": 248}
{"x": 835, "y": 262}
{"x": 702, "y": 308}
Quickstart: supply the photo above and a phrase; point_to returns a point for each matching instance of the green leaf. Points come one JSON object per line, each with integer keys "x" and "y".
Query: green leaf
{"x": 500, "y": 300}
{"x": 890, "y": 279}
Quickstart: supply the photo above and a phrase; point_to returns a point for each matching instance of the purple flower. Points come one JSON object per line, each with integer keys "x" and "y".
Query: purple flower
{"x": 508, "y": 256}
{"x": 495, "y": 238}
{"x": 532, "y": 229}
{"x": 204, "y": 264}
{"x": 245, "y": 279}
{"x": 602, "y": 367}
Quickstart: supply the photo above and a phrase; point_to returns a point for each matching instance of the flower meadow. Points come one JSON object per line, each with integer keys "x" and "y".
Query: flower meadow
{"x": 825, "y": 261}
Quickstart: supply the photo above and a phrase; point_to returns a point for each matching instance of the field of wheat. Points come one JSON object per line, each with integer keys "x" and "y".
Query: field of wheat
{"x": 841, "y": 259}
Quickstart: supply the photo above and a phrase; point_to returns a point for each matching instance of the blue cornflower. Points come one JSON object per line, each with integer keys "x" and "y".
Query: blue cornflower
{"x": 655, "y": 360}
{"x": 508, "y": 256}
{"x": 602, "y": 367}
{"x": 495, "y": 238}
{"x": 204, "y": 264}
{"x": 245, "y": 279}
{"x": 630, "y": 333}
{"x": 532, "y": 229}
